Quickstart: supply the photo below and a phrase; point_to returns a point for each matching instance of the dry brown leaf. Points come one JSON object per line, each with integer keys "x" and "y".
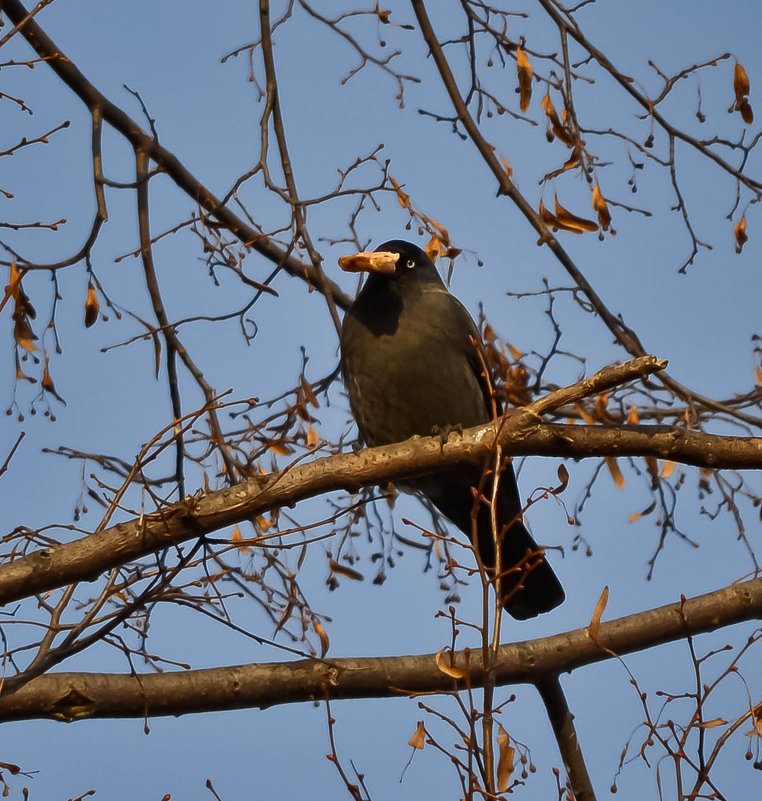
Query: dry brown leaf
{"x": 741, "y": 84}
{"x": 418, "y": 740}
{"x": 747, "y": 115}
{"x": 600, "y": 207}
{"x": 516, "y": 354}
{"x": 443, "y": 663}
{"x": 616, "y": 473}
{"x": 312, "y": 438}
{"x": 345, "y": 570}
{"x": 12, "y": 288}
{"x": 647, "y": 511}
{"x": 758, "y": 374}
{"x": 571, "y": 222}
{"x": 309, "y": 394}
{"x": 739, "y": 232}
{"x": 263, "y": 523}
{"x": 23, "y": 334}
{"x": 632, "y": 417}
{"x": 383, "y": 15}
{"x": 584, "y": 414}
{"x": 741, "y": 87}
{"x": 525, "y": 78}
{"x": 91, "y": 306}
{"x": 13, "y": 283}
{"x": 712, "y": 724}
{"x": 324, "y": 641}
{"x": 506, "y": 760}
{"x": 563, "y": 477}
{"x": 555, "y": 128}
{"x": 280, "y": 447}
{"x": 595, "y": 621}
{"x": 21, "y": 375}
{"x": 47, "y": 382}
{"x": 599, "y": 410}
{"x": 402, "y": 197}
{"x": 237, "y": 539}
{"x": 22, "y": 306}
{"x": 443, "y": 233}
{"x": 433, "y": 249}
{"x": 572, "y": 162}
{"x": 14, "y": 770}
{"x": 667, "y": 469}
{"x": 548, "y": 217}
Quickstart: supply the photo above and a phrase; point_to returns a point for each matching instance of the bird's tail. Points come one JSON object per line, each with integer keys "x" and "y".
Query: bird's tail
{"x": 527, "y": 585}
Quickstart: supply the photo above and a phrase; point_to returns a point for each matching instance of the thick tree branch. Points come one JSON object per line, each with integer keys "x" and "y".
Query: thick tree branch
{"x": 76, "y": 696}
{"x": 518, "y": 434}
{"x": 46, "y": 49}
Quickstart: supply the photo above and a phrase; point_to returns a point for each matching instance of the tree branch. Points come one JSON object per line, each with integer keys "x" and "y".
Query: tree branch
{"x": 77, "y": 696}
{"x": 562, "y": 721}
{"x": 518, "y": 434}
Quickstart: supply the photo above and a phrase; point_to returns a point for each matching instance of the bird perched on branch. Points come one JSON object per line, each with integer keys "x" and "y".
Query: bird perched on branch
{"x": 414, "y": 364}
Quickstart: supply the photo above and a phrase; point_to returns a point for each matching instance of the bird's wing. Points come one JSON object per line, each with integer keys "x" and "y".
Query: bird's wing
{"x": 461, "y": 325}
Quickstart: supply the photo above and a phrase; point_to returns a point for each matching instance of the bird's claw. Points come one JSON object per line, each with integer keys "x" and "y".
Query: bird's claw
{"x": 443, "y": 432}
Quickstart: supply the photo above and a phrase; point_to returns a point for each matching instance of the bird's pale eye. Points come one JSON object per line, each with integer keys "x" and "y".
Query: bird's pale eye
{"x": 410, "y": 264}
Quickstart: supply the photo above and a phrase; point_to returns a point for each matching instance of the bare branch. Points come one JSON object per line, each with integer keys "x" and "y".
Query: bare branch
{"x": 78, "y": 696}
{"x": 562, "y": 721}
{"x": 518, "y": 434}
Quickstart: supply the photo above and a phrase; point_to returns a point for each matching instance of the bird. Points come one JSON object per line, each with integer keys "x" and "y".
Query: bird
{"x": 414, "y": 364}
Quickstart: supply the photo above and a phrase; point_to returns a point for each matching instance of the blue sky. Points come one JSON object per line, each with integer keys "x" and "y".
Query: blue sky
{"x": 207, "y": 113}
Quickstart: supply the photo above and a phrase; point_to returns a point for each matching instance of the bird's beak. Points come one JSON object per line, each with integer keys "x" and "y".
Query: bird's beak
{"x": 380, "y": 261}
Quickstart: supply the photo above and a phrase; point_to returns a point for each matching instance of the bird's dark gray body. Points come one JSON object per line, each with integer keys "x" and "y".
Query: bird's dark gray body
{"x": 413, "y": 363}
{"x": 396, "y": 387}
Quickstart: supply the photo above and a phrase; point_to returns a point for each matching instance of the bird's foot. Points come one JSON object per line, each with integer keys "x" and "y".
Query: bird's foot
{"x": 443, "y": 432}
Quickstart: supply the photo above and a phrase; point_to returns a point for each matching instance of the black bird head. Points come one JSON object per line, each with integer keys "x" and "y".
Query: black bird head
{"x": 394, "y": 260}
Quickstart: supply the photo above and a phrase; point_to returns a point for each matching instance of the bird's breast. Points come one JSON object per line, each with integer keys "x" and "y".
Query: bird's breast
{"x": 408, "y": 380}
